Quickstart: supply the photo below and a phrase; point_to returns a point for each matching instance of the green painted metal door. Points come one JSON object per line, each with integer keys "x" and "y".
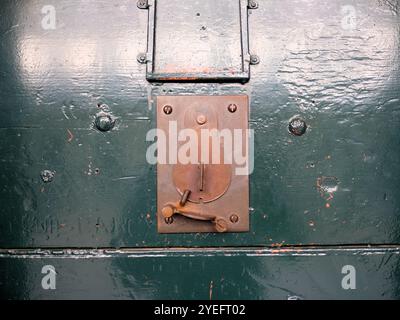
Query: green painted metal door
{"x": 84, "y": 200}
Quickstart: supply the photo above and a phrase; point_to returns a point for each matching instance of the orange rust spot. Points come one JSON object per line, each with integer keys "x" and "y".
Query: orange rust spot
{"x": 179, "y": 78}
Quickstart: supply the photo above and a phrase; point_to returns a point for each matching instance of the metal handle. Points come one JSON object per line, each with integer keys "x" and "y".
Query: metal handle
{"x": 171, "y": 209}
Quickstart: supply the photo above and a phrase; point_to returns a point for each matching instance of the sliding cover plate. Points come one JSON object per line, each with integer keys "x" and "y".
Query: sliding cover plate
{"x": 195, "y": 40}
{"x": 211, "y": 197}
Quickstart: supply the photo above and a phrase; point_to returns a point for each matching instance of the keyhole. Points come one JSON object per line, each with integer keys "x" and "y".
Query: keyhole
{"x": 202, "y": 169}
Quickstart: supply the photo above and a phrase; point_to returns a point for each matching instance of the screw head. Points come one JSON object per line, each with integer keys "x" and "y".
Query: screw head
{"x": 253, "y": 4}
{"x": 232, "y": 107}
{"x": 234, "y": 218}
{"x": 104, "y": 122}
{"x": 141, "y": 58}
{"x": 167, "y": 109}
{"x": 142, "y": 4}
{"x": 254, "y": 59}
{"x": 297, "y": 126}
{"x": 201, "y": 119}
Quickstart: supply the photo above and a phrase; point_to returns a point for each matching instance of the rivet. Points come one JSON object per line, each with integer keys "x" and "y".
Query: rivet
{"x": 142, "y": 4}
{"x": 297, "y": 126}
{"x": 47, "y": 176}
{"x": 201, "y": 119}
{"x": 234, "y": 218}
{"x": 104, "y": 122}
{"x": 167, "y": 109}
{"x": 141, "y": 58}
{"x": 232, "y": 107}
{"x": 254, "y": 59}
{"x": 253, "y": 4}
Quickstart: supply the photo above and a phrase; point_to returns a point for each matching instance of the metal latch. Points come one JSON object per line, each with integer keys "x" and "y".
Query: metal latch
{"x": 201, "y": 187}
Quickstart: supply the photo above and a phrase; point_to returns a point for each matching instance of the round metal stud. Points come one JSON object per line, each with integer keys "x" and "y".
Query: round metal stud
{"x": 201, "y": 119}
{"x": 297, "y": 126}
{"x": 47, "y": 176}
{"x": 167, "y": 109}
{"x": 232, "y": 108}
{"x": 104, "y": 122}
{"x": 234, "y": 218}
{"x": 253, "y": 4}
{"x": 254, "y": 59}
{"x": 141, "y": 58}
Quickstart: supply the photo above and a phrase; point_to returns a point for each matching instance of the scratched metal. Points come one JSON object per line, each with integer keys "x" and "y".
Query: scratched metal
{"x": 337, "y": 184}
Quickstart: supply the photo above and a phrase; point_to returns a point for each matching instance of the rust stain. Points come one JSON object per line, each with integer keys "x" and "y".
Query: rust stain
{"x": 179, "y": 78}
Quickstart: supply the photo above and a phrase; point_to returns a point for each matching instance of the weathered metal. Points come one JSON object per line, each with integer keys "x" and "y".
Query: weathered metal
{"x": 196, "y": 194}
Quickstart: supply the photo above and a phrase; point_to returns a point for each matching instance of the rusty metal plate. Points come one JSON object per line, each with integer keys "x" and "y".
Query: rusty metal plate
{"x": 199, "y": 188}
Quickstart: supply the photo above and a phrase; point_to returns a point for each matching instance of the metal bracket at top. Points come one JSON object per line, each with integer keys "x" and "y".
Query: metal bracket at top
{"x": 221, "y": 62}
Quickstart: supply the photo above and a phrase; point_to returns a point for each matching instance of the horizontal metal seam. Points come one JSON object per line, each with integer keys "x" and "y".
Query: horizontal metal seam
{"x": 88, "y": 253}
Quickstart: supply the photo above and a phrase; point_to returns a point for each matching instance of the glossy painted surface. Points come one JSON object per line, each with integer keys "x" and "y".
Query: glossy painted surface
{"x": 337, "y": 184}
{"x": 206, "y": 275}
{"x": 344, "y": 83}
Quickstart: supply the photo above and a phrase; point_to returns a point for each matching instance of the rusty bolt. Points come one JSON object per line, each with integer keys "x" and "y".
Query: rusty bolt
{"x": 221, "y": 225}
{"x": 167, "y": 109}
{"x": 297, "y": 126}
{"x": 234, "y": 218}
{"x": 201, "y": 119}
{"x": 232, "y": 108}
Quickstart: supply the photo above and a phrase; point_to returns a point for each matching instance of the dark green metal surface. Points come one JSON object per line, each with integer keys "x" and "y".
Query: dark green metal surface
{"x": 204, "y": 274}
{"x": 344, "y": 83}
